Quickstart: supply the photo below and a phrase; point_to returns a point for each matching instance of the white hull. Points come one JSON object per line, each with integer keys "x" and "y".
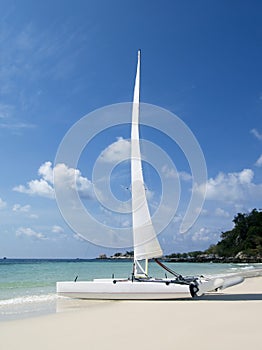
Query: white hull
{"x": 146, "y": 246}
{"x": 106, "y": 289}
{"x": 123, "y": 289}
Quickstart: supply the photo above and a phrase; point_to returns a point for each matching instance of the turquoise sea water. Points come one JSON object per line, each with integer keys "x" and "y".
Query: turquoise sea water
{"x": 28, "y": 287}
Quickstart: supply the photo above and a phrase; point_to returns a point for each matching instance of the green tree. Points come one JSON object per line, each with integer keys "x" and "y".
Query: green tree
{"x": 246, "y": 236}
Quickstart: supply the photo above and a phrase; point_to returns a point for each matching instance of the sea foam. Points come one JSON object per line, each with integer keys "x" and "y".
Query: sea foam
{"x": 29, "y": 299}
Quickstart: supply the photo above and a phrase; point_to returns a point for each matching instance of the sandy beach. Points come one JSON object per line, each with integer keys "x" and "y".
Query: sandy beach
{"x": 230, "y": 319}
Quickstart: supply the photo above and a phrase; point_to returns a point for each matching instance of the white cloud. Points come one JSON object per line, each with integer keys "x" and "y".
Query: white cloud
{"x": 24, "y": 209}
{"x": 16, "y": 125}
{"x": 149, "y": 194}
{"x": 20, "y": 208}
{"x": 222, "y": 213}
{"x": 201, "y": 211}
{"x": 7, "y": 119}
{"x": 57, "y": 229}
{"x": 36, "y": 188}
{"x": 232, "y": 187}
{"x": 126, "y": 223}
{"x": 33, "y": 216}
{"x": 3, "y": 204}
{"x": 169, "y": 173}
{"x": 206, "y": 236}
{"x": 65, "y": 177}
{"x": 259, "y": 162}
{"x": 72, "y": 179}
{"x": 185, "y": 176}
{"x": 172, "y": 173}
{"x": 116, "y": 152}
{"x": 78, "y": 238}
{"x": 177, "y": 218}
{"x": 201, "y": 235}
{"x": 256, "y": 133}
{"x": 28, "y": 232}
{"x": 245, "y": 176}
{"x": 46, "y": 172}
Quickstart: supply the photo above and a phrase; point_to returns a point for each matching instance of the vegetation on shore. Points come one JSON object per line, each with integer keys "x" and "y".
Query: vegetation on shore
{"x": 241, "y": 244}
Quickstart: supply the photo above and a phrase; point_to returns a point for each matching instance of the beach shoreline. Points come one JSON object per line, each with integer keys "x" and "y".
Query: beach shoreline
{"x": 228, "y": 319}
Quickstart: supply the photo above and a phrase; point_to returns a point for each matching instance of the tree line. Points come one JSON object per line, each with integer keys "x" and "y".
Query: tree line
{"x": 243, "y": 241}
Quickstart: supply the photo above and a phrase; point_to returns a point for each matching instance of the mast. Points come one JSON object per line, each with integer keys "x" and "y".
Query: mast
{"x": 146, "y": 244}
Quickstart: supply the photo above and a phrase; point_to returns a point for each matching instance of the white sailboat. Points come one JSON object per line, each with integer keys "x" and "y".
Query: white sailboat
{"x": 146, "y": 246}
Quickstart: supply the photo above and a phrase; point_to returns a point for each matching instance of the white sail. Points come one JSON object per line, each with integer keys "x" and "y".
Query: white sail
{"x": 146, "y": 244}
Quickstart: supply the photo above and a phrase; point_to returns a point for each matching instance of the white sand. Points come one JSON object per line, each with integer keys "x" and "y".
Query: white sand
{"x": 228, "y": 320}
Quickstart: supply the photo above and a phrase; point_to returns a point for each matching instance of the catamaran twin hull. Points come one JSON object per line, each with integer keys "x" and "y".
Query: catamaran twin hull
{"x": 122, "y": 290}
{"x": 146, "y": 246}
{"x": 112, "y": 289}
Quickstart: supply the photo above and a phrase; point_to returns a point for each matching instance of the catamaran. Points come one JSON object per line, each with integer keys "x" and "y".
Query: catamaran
{"x": 146, "y": 246}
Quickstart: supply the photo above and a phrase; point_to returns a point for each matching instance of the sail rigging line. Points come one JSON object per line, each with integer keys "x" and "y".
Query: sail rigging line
{"x": 168, "y": 269}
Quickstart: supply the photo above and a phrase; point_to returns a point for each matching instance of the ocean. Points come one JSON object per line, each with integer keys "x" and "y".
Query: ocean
{"x": 28, "y": 286}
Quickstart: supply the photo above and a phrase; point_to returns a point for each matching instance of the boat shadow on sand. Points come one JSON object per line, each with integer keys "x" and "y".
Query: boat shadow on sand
{"x": 67, "y": 304}
{"x": 230, "y": 297}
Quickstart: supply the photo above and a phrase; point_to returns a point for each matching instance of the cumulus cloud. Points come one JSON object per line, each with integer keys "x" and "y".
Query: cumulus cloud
{"x": 28, "y": 232}
{"x": 36, "y": 188}
{"x": 259, "y": 162}
{"x": 65, "y": 177}
{"x": 169, "y": 173}
{"x": 73, "y": 179}
{"x": 231, "y": 187}
{"x": 116, "y": 152}
{"x": 46, "y": 172}
{"x": 3, "y": 204}
{"x": 172, "y": 173}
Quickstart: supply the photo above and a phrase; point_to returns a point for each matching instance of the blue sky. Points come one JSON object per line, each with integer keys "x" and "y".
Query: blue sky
{"x": 60, "y": 60}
